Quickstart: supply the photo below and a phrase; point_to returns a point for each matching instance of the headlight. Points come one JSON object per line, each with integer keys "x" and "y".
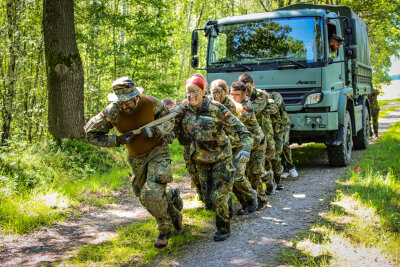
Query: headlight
{"x": 313, "y": 99}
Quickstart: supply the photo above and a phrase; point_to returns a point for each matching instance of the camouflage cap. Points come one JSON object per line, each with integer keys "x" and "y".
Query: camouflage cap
{"x": 337, "y": 38}
{"x": 124, "y": 90}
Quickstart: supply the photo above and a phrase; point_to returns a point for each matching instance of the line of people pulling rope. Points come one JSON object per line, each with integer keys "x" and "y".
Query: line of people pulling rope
{"x": 234, "y": 140}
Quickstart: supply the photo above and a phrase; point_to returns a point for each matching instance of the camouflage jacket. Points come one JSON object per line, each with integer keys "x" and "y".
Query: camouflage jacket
{"x": 264, "y": 107}
{"x": 233, "y": 108}
{"x": 207, "y": 129}
{"x": 248, "y": 117}
{"x": 281, "y": 118}
{"x": 98, "y": 127}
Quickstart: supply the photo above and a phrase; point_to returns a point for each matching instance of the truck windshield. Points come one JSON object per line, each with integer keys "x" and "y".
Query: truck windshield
{"x": 270, "y": 41}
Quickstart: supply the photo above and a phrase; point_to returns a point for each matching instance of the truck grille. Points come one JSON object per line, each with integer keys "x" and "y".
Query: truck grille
{"x": 295, "y": 96}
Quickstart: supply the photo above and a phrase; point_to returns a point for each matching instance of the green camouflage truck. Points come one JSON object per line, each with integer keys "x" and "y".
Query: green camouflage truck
{"x": 287, "y": 51}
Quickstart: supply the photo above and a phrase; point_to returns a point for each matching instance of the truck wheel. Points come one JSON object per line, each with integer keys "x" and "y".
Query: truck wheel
{"x": 339, "y": 156}
{"x": 361, "y": 141}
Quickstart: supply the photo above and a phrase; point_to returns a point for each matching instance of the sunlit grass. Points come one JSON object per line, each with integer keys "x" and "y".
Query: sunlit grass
{"x": 385, "y": 111}
{"x": 134, "y": 245}
{"x": 21, "y": 213}
{"x": 362, "y": 227}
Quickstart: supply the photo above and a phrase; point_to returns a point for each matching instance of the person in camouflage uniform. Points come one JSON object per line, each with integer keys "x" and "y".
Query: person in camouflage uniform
{"x": 264, "y": 107}
{"x": 243, "y": 190}
{"x": 256, "y": 166}
{"x": 279, "y": 120}
{"x": 374, "y": 107}
{"x": 205, "y": 125}
{"x": 195, "y": 182}
{"x": 148, "y": 152}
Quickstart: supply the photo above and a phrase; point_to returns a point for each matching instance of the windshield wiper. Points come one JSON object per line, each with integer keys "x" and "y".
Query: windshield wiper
{"x": 297, "y": 63}
{"x": 233, "y": 62}
{"x": 281, "y": 60}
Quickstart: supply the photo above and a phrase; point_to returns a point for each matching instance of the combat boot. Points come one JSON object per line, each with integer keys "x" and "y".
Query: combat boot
{"x": 261, "y": 205}
{"x": 162, "y": 240}
{"x": 271, "y": 188}
{"x": 178, "y": 225}
{"x": 252, "y": 207}
{"x": 221, "y": 236}
{"x": 176, "y": 198}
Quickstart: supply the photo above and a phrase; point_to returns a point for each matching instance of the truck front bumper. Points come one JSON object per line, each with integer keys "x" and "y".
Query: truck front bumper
{"x": 306, "y": 122}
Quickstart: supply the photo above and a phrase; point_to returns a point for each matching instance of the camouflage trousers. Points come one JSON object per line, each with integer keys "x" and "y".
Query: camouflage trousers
{"x": 216, "y": 180}
{"x": 276, "y": 162}
{"x": 374, "y": 115}
{"x": 255, "y": 169}
{"x": 241, "y": 186}
{"x": 149, "y": 181}
{"x": 191, "y": 168}
{"x": 286, "y": 156}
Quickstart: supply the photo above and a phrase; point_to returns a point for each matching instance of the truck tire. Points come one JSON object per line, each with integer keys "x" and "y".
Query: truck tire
{"x": 339, "y": 156}
{"x": 361, "y": 141}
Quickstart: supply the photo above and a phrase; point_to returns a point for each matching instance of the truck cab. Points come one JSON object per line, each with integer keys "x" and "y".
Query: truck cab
{"x": 287, "y": 51}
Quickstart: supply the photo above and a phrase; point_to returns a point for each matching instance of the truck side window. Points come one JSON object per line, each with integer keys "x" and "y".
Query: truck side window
{"x": 333, "y": 41}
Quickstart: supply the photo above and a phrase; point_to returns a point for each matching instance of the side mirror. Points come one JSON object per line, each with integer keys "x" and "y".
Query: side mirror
{"x": 195, "y": 62}
{"x": 351, "y": 52}
{"x": 195, "y": 42}
{"x": 349, "y": 26}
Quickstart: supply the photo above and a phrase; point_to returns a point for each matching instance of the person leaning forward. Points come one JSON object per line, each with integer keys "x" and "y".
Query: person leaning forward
{"x": 205, "y": 125}
{"x": 242, "y": 188}
{"x": 263, "y": 107}
{"x": 148, "y": 152}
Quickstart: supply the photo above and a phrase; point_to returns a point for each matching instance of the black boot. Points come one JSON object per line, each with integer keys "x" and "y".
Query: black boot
{"x": 221, "y": 236}
{"x": 162, "y": 240}
{"x": 271, "y": 188}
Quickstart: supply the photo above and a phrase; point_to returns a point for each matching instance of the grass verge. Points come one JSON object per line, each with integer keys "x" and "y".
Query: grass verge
{"x": 363, "y": 224}
{"x": 40, "y": 183}
{"x": 134, "y": 245}
{"x": 385, "y": 110}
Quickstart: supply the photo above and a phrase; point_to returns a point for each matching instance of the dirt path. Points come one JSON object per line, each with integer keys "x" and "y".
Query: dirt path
{"x": 254, "y": 241}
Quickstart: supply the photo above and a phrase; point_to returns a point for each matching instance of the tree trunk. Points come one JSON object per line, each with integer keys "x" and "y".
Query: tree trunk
{"x": 8, "y": 101}
{"x": 65, "y": 77}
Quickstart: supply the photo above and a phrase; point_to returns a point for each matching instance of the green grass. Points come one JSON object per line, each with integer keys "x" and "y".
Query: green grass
{"x": 72, "y": 171}
{"x": 178, "y": 163}
{"x": 363, "y": 224}
{"x": 134, "y": 245}
{"x": 302, "y": 154}
{"x": 39, "y": 183}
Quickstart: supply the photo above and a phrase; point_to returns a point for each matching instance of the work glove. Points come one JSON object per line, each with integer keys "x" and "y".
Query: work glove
{"x": 154, "y": 132}
{"x": 242, "y": 157}
{"x": 125, "y": 138}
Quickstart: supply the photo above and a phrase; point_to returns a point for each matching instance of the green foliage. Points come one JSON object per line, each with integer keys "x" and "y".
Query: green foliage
{"x": 28, "y": 166}
{"x": 39, "y": 182}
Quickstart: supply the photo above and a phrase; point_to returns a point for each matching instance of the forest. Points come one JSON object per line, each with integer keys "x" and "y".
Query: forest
{"x": 48, "y": 172}
{"x": 148, "y": 41}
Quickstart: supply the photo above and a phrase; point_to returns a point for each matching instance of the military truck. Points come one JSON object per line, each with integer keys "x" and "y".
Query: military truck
{"x": 287, "y": 51}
